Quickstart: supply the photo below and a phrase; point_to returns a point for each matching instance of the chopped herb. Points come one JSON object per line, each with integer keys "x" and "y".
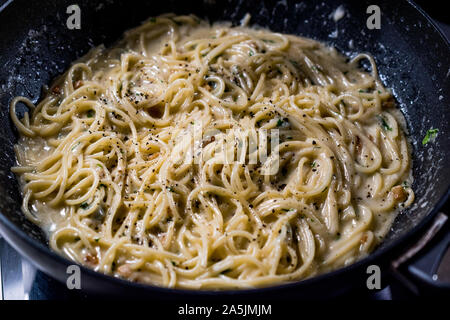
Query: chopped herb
{"x": 174, "y": 263}
{"x": 250, "y": 53}
{"x": 295, "y": 63}
{"x": 313, "y": 164}
{"x": 431, "y": 135}
{"x": 384, "y": 123}
{"x": 90, "y": 113}
{"x": 268, "y": 40}
{"x": 97, "y": 239}
{"x": 84, "y": 205}
{"x": 75, "y": 146}
{"x": 212, "y": 84}
{"x": 99, "y": 165}
{"x": 171, "y": 189}
{"x": 102, "y": 185}
{"x": 279, "y": 122}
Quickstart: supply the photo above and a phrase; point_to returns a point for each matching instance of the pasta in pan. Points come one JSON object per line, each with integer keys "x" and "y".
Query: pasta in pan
{"x": 208, "y": 156}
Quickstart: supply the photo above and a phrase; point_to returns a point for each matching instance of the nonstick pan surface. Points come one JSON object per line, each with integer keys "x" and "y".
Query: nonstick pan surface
{"x": 412, "y": 58}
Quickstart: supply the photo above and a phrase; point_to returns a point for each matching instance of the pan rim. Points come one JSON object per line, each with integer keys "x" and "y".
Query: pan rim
{"x": 375, "y": 255}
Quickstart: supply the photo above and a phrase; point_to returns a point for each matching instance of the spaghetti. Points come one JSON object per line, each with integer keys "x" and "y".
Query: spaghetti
{"x": 109, "y": 164}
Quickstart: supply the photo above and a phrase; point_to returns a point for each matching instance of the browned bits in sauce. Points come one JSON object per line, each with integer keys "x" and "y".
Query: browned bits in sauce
{"x": 124, "y": 270}
{"x": 399, "y": 193}
{"x": 56, "y": 90}
{"x": 205, "y": 143}
{"x": 78, "y": 84}
{"x": 389, "y": 103}
{"x": 363, "y": 239}
{"x": 91, "y": 259}
{"x": 153, "y": 156}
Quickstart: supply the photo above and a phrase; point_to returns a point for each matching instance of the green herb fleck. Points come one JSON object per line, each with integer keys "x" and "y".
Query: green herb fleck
{"x": 250, "y": 53}
{"x": 84, "y": 205}
{"x": 90, "y": 113}
{"x": 313, "y": 164}
{"x": 212, "y": 84}
{"x": 279, "y": 122}
{"x": 75, "y": 146}
{"x": 295, "y": 63}
{"x": 384, "y": 123}
{"x": 431, "y": 135}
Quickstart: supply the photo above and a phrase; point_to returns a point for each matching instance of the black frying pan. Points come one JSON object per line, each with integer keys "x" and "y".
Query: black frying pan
{"x": 413, "y": 60}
